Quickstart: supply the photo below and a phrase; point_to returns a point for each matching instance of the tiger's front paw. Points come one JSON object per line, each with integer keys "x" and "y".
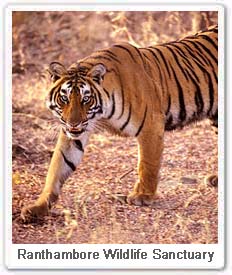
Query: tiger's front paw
{"x": 34, "y": 212}
{"x": 140, "y": 199}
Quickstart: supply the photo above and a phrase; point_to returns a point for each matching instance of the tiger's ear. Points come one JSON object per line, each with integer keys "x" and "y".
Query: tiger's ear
{"x": 97, "y": 72}
{"x": 56, "y": 70}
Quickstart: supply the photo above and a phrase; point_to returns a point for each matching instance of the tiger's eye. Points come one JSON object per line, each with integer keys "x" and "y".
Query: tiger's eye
{"x": 85, "y": 98}
{"x": 64, "y": 98}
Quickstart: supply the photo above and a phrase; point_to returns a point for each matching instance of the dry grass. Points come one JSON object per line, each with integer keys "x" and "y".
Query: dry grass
{"x": 186, "y": 208}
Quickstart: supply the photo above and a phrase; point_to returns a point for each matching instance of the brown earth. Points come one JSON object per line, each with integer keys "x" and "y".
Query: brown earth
{"x": 88, "y": 212}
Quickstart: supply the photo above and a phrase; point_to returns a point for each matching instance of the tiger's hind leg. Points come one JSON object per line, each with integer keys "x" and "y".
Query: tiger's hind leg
{"x": 67, "y": 155}
{"x": 213, "y": 179}
{"x": 214, "y": 122}
{"x": 150, "y": 151}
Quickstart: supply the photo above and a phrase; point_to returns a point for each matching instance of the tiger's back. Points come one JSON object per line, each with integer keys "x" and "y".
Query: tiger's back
{"x": 178, "y": 78}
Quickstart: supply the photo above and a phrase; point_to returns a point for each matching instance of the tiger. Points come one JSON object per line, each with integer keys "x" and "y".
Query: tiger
{"x": 132, "y": 92}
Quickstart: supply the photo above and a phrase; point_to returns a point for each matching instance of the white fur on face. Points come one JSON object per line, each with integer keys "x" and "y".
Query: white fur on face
{"x": 85, "y": 90}
{"x": 66, "y": 88}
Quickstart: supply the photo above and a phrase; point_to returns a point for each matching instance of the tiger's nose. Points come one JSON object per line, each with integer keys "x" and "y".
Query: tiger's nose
{"x": 73, "y": 125}
{"x": 77, "y": 126}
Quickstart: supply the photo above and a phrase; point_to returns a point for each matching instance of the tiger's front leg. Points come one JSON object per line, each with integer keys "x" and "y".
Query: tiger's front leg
{"x": 150, "y": 152}
{"x": 67, "y": 155}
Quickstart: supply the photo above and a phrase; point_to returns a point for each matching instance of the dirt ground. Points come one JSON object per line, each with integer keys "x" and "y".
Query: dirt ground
{"x": 87, "y": 212}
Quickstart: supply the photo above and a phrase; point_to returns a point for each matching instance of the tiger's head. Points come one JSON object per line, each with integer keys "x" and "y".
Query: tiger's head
{"x": 75, "y": 97}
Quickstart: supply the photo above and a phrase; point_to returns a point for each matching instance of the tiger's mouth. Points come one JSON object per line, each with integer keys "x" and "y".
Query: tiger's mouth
{"x": 76, "y": 131}
{"x": 73, "y": 133}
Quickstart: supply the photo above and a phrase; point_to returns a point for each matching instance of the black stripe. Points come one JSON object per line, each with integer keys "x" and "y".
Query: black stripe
{"x": 151, "y": 50}
{"x": 52, "y": 107}
{"x": 215, "y": 75}
{"x": 211, "y": 95}
{"x": 138, "y": 51}
{"x": 140, "y": 55}
{"x": 164, "y": 60}
{"x": 215, "y": 118}
{"x": 110, "y": 54}
{"x": 107, "y": 51}
{"x": 182, "y": 113}
{"x": 199, "y": 51}
{"x": 150, "y": 60}
{"x": 210, "y": 82}
{"x": 69, "y": 163}
{"x": 179, "y": 47}
{"x": 127, "y": 121}
{"x": 107, "y": 93}
{"x": 199, "y": 46}
{"x": 198, "y": 96}
{"x": 208, "y": 51}
{"x": 158, "y": 66}
{"x": 179, "y": 65}
{"x": 147, "y": 65}
{"x": 123, "y": 99}
{"x": 155, "y": 59}
{"x": 113, "y": 107}
{"x": 51, "y": 94}
{"x": 185, "y": 59}
{"x": 124, "y": 48}
{"x": 210, "y": 40}
{"x": 169, "y": 105}
{"x": 99, "y": 95}
{"x": 196, "y": 58}
{"x": 78, "y": 145}
{"x": 199, "y": 62}
{"x": 56, "y": 95}
{"x": 142, "y": 123}
{"x": 199, "y": 101}
{"x": 122, "y": 92}
{"x": 168, "y": 124}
